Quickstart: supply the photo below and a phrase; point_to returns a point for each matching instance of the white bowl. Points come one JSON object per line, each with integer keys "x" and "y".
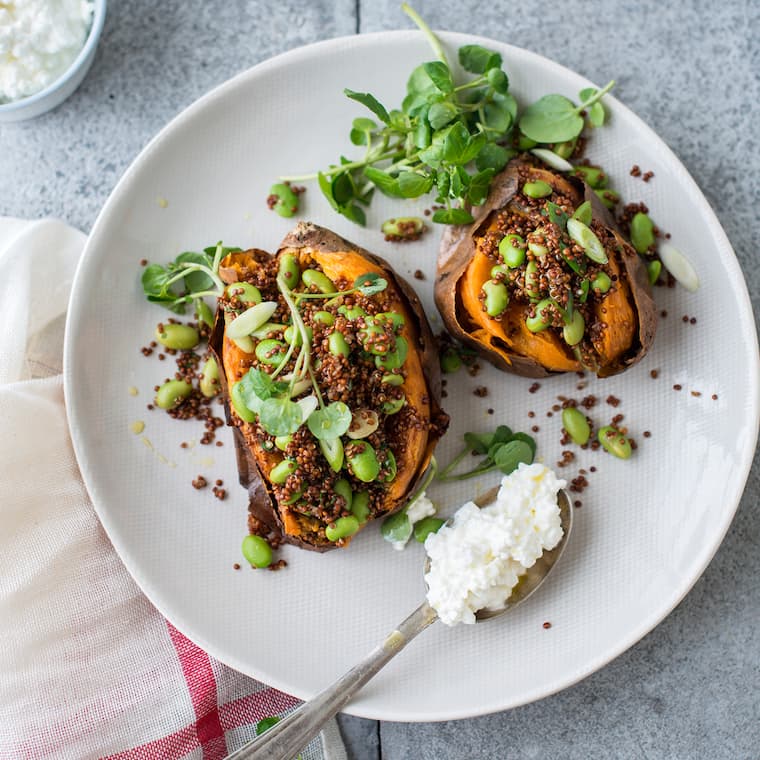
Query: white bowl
{"x": 55, "y": 93}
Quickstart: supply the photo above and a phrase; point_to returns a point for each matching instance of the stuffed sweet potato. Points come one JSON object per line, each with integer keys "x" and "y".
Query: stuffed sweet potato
{"x": 542, "y": 281}
{"x": 331, "y": 380}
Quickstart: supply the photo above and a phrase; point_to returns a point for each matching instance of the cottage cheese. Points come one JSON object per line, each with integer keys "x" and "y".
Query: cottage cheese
{"x": 477, "y": 560}
{"x": 39, "y": 40}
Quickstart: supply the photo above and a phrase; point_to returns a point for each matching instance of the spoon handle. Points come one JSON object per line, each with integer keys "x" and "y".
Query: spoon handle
{"x": 286, "y": 738}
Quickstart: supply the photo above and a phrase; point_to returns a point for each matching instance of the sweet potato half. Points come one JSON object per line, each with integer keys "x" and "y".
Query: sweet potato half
{"x": 549, "y": 299}
{"x": 374, "y": 352}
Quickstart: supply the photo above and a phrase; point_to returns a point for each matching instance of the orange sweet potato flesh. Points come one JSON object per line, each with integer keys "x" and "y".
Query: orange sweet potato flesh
{"x": 341, "y": 261}
{"x": 627, "y": 314}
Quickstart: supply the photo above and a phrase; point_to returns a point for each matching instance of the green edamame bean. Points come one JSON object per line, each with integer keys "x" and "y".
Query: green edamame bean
{"x": 394, "y": 405}
{"x": 178, "y": 337}
{"x": 642, "y": 232}
{"x": 282, "y": 441}
{"x": 537, "y": 189}
{"x": 363, "y": 463}
{"x": 583, "y": 213}
{"x": 172, "y": 394}
{"x": 614, "y": 442}
{"x": 257, "y": 551}
{"x": 426, "y": 526}
{"x": 450, "y": 361}
{"x": 608, "y": 197}
{"x": 391, "y": 379}
{"x": 313, "y": 279}
{"x": 385, "y": 317}
{"x": 541, "y": 320}
{"x": 373, "y": 337}
{"x": 296, "y": 496}
{"x": 360, "y": 506}
{"x": 536, "y": 242}
{"x": 573, "y": 332}
{"x": 576, "y": 425}
{"x": 238, "y": 404}
{"x": 337, "y": 345}
{"x": 654, "y": 268}
{"x": 499, "y": 272}
{"x": 209, "y": 383}
{"x": 343, "y": 488}
{"x": 342, "y": 528}
{"x": 565, "y": 149}
{"x": 352, "y": 312}
{"x": 389, "y": 466}
{"x": 601, "y": 282}
{"x": 289, "y": 270}
{"x": 531, "y": 280}
{"x": 244, "y": 292}
{"x": 512, "y": 250}
{"x": 525, "y": 143}
{"x": 270, "y": 351}
{"x": 323, "y": 318}
{"x": 292, "y": 334}
{"x": 592, "y": 176}
{"x": 496, "y": 299}
{"x": 282, "y": 471}
{"x": 203, "y": 312}
{"x": 283, "y": 200}
{"x": 403, "y": 227}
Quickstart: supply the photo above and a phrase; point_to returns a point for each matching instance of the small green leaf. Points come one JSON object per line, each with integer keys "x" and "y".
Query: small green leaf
{"x": 331, "y": 422}
{"x": 326, "y": 187}
{"x": 371, "y": 102}
{"x": 551, "y": 119}
{"x": 440, "y": 76}
{"x": 370, "y": 283}
{"x": 511, "y": 454}
{"x": 441, "y": 114}
{"x": 154, "y": 279}
{"x": 502, "y": 434}
{"x": 455, "y": 144}
{"x": 452, "y": 216}
{"x": 596, "y": 115}
{"x": 478, "y": 190}
{"x": 385, "y": 183}
{"x": 479, "y": 442}
{"x": 412, "y": 185}
{"x": 498, "y": 80}
{"x": 497, "y": 117}
{"x": 474, "y": 146}
{"x": 419, "y": 82}
{"x": 422, "y": 135}
{"x": 477, "y": 59}
{"x": 342, "y": 189}
{"x": 525, "y": 438}
{"x": 280, "y": 416}
{"x": 358, "y": 137}
{"x": 364, "y": 124}
{"x": 354, "y": 213}
{"x": 266, "y": 723}
{"x": 494, "y": 157}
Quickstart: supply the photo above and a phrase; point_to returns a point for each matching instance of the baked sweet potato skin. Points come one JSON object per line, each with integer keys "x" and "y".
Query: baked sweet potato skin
{"x": 336, "y": 257}
{"x": 458, "y": 250}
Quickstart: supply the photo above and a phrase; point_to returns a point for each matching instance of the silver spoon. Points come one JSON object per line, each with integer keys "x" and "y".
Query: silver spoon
{"x": 287, "y": 737}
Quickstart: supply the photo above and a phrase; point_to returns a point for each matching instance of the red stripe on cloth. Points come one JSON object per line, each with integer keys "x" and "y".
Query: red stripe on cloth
{"x": 201, "y": 684}
{"x": 254, "y": 707}
{"x": 178, "y": 744}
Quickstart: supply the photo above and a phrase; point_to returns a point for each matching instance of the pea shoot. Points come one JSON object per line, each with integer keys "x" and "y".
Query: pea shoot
{"x": 448, "y": 137}
{"x": 501, "y": 450}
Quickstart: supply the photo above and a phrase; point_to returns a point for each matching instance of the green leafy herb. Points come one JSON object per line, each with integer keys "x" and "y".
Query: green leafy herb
{"x": 331, "y": 422}
{"x": 266, "y": 723}
{"x": 555, "y": 118}
{"x": 280, "y": 416}
{"x": 501, "y": 450}
{"x": 190, "y": 276}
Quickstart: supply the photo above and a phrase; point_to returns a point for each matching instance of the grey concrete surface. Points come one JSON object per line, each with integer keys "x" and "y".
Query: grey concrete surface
{"x": 691, "y": 688}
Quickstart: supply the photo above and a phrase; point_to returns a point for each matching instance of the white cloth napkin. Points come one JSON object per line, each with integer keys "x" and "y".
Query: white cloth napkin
{"x": 89, "y": 668}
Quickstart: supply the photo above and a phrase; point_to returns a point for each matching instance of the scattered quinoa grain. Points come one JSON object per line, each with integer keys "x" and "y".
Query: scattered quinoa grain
{"x": 654, "y": 373}
{"x": 547, "y": 625}
{"x": 534, "y": 387}
{"x": 647, "y": 434}
{"x": 677, "y": 387}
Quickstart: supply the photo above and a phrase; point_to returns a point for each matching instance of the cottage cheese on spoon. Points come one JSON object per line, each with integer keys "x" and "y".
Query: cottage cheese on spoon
{"x": 477, "y": 560}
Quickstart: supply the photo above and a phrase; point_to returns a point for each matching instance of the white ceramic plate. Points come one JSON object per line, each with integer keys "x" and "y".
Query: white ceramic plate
{"x": 647, "y": 528}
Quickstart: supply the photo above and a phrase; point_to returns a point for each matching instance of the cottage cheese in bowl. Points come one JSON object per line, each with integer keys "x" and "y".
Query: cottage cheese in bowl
{"x": 39, "y": 40}
{"x": 477, "y": 559}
